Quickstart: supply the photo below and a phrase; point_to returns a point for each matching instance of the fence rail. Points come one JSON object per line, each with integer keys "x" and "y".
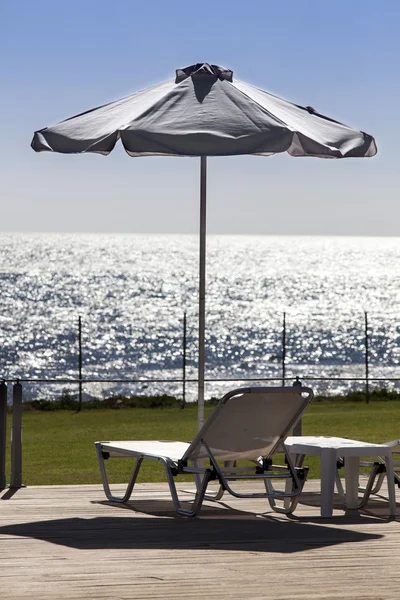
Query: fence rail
{"x": 192, "y": 380}
{"x": 17, "y": 402}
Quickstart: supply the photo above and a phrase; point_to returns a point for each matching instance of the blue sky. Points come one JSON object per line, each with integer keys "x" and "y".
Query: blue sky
{"x": 61, "y": 58}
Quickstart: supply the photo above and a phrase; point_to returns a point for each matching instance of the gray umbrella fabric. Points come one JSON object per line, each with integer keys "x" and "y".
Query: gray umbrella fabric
{"x": 204, "y": 112}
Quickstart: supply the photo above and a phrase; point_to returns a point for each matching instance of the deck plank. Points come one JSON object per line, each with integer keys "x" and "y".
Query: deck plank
{"x": 69, "y": 542}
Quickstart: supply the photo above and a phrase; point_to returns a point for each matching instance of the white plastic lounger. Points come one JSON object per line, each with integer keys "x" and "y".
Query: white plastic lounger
{"x": 247, "y": 424}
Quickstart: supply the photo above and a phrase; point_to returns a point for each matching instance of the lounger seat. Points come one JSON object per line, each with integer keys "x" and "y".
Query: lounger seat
{"x": 152, "y": 448}
{"x": 248, "y": 424}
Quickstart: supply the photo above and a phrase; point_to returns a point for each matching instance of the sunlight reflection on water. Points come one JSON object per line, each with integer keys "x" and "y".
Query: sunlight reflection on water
{"x": 132, "y": 290}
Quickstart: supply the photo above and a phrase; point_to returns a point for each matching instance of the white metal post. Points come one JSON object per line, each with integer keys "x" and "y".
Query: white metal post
{"x": 202, "y": 288}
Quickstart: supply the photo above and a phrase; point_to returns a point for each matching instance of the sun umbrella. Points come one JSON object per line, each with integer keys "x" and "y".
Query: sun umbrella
{"x": 204, "y": 112}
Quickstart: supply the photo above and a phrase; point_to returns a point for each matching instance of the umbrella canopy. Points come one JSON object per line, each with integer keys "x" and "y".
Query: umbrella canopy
{"x": 204, "y": 112}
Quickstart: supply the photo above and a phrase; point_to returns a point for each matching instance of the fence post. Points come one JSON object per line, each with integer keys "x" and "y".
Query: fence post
{"x": 3, "y": 433}
{"x": 366, "y": 359}
{"x": 184, "y": 362}
{"x": 16, "y": 438}
{"x": 297, "y": 429}
{"x": 80, "y": 362}
{"x": 284, "y": 349}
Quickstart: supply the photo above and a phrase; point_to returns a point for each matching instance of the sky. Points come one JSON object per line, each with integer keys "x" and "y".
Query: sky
{"x": 61, "y": 58}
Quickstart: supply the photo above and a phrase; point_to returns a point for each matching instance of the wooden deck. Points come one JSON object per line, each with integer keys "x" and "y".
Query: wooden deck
{"x": 68, "y": 542}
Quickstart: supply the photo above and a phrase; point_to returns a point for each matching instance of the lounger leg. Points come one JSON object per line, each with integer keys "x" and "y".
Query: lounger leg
{"x": 198, "y": 501}
{"x": 218, "y": 494}
{"x": 379, "y": 482}
{"x": 375, "y": 470}
{"x": 369, "y": 488}
{"x": 199, "y": 479}
{"x": 104, "y": 477}
{"x": 221, "y": 490}
{"x": 289, "y": 502}
{"x": 289, "y": 505}
{"x": 298, "y": 461}
{"x": 390, "y": 484}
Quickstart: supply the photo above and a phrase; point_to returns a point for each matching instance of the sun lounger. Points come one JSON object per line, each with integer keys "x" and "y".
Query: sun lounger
{"x": 248, "y": 424}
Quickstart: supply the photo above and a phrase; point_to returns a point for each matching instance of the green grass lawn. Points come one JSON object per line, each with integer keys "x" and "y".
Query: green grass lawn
{"x": 58, "y": 446}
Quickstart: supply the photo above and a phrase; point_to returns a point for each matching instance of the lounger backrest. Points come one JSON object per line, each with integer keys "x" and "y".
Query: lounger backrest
{"x": 249, "y": 423}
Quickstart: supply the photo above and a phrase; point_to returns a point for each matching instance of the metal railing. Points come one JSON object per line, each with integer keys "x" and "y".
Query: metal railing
{"x": 17, "y": 404}
{"x": 282, "y": 369}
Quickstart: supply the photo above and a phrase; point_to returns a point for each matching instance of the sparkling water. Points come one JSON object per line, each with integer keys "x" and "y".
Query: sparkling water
{"x": 132, "y": 291}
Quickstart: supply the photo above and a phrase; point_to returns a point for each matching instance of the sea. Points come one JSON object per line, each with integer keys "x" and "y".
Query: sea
{"x": 305, "y": 298}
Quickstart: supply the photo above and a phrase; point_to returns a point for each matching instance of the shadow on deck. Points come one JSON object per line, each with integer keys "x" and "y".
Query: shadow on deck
{"x": 218, "y": 528}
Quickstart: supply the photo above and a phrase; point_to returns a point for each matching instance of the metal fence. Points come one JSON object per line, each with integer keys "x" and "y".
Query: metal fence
{"x": 283, "y": 372}
{"x": 17, "y": 402}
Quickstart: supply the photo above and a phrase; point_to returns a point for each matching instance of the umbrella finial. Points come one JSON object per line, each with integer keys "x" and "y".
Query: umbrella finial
{"x": 203, "y": 70}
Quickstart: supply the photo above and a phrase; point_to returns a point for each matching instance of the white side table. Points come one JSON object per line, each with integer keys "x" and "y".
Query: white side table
{"x": 330, "y": 449}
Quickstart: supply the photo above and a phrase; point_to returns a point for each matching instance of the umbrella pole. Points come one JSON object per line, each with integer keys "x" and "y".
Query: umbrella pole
{"x": 202, "y": 288}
